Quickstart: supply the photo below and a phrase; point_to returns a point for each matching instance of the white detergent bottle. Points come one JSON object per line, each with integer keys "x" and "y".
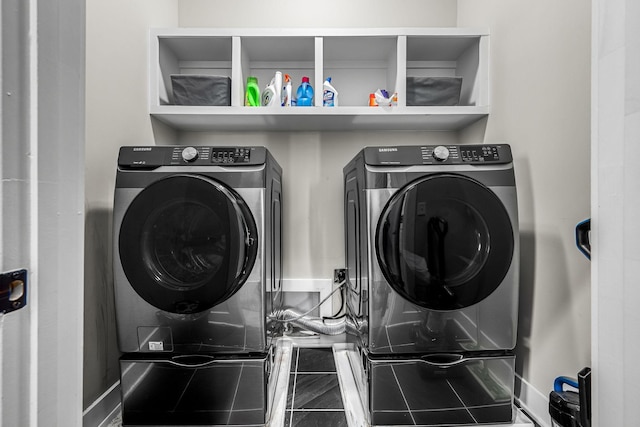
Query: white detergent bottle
{"x": 272, "y": 94}
{"x": 329, "y": 94}
{"x": 278, "y": 85}
{"x": 268, "y": 95}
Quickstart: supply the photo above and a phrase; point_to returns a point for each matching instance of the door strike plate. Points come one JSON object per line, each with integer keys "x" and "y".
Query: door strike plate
{"x": 13, "y": 291}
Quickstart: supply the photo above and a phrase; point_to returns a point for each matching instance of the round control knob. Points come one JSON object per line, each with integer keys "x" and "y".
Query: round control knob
{"x": 189, "y": 154}
{"x": 441, "y": 153}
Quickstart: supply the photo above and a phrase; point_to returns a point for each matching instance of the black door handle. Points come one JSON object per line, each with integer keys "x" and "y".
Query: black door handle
{"x": 583, "y": 241}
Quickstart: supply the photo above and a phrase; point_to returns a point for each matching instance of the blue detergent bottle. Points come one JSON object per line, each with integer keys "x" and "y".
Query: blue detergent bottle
{"x": 305, "y": 93}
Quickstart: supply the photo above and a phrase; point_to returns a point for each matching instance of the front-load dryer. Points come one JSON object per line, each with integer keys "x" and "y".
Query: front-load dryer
{"x": 432, "y": 248}
{"x": 197, "y": 249}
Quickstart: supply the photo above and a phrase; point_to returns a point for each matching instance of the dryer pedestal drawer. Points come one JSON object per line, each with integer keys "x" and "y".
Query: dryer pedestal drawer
{"x": 441, "y": 390}
{"x": 195, "y": 390}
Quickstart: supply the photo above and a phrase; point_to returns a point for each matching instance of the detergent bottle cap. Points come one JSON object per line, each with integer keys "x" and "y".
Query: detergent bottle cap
{"x": 329, "y": 79}
{"x": 305, "y": 79}
{"x": 252, "y": 79}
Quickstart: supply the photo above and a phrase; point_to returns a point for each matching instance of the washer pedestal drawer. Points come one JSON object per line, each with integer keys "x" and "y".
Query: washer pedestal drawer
{"x": 195, "y": 390}
{"x": 440, "y": 390}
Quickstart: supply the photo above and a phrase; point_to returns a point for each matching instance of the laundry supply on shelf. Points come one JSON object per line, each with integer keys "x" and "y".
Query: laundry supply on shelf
{"x": 252, "y": 93}
{"x": 272, "y": 94}
{"x": 383, "y": 98}
{"x": 287, "y": 92}
{"x": 304, "y": 93}
{"x": 329, "y": 94}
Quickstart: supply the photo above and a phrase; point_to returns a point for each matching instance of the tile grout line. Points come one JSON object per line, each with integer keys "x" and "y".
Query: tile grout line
{"x": 461, "y": 401}
{"x": 235, "y": 393}
{"x": 404, "y": 398}
{"x": 293, "y": 392}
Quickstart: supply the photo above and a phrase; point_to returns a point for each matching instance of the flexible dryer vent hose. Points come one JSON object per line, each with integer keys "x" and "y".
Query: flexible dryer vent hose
{"x": 315, "y": 324}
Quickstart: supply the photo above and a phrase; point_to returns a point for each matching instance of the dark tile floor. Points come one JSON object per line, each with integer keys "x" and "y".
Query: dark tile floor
{"x": 314, "y": 397}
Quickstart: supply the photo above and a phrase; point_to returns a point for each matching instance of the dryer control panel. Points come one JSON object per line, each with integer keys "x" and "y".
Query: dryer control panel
{"x": 215, "y": 155}
{"x": 150, "y": 157}
{"x": 439, "y": 154}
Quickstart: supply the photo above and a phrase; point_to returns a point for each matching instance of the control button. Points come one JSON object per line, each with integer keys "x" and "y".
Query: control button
{"x": 189, "y": 154}
{"x": 441, "y": 153}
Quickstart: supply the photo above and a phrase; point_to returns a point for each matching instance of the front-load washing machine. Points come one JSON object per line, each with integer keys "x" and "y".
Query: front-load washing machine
{"x": 197, "y": 249}
{"x": 432, "y": 267}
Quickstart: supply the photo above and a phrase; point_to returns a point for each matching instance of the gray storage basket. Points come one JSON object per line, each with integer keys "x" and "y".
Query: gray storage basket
{"x": 194, "y": 89}
{"x": 426, "y": 91}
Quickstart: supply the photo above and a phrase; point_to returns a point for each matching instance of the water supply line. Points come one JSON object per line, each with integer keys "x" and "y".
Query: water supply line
{"x": 316, "y": 324}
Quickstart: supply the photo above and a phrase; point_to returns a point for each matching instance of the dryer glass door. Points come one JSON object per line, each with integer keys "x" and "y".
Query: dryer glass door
{"x": 444, "y": 242}
{"x": 187, "y": 243}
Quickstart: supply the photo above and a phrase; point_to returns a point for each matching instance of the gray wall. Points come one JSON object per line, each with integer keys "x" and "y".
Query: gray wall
{"x": 116, "y": 114}
{"x": 539, "y": 104}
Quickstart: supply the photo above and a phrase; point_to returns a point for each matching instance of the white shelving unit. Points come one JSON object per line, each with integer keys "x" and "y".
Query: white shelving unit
{"x": 358, "y": 60}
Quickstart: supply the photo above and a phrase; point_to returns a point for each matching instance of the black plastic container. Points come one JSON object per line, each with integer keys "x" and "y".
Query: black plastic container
{"x": 570, "y": 408}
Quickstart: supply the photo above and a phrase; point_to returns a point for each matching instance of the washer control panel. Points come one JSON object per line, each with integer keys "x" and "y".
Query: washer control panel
{"x": 212, "y": 155}
{"x": 439, "y": 154}
{"x": 150, "y": 157}
{"x": 230, "y": 155}
{"x": 480, "y": 153}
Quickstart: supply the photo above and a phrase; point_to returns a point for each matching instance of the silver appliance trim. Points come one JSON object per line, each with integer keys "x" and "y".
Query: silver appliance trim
{"x": 438, "y": 168}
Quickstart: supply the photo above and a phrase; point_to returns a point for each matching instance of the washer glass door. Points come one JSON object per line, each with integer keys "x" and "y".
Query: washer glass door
{"x": 187, "y": 243}
{"x": 444, "y": 242}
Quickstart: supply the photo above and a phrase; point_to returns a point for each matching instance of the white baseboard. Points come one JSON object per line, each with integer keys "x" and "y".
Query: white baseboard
{"x": 534, "y": 403}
